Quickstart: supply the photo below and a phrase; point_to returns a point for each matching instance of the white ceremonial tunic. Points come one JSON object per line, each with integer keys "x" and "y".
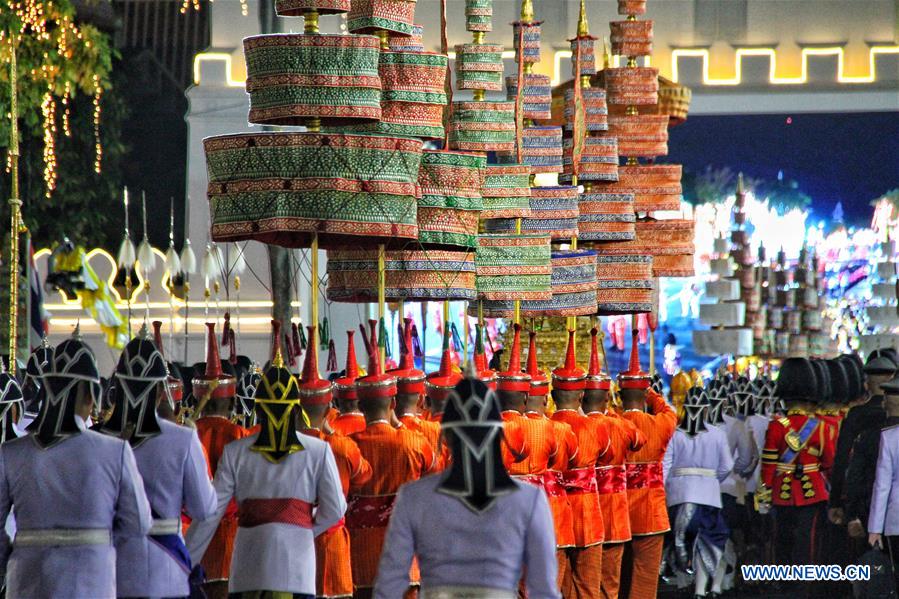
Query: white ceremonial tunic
{"x": 176, "y": 476}
{"x": 758, "y": 428}
{"x": 457, "y": 547}
{"x": 744, "y": 452}
{"x": 88, "y": 482}
{"x": 883, "y": 517}
{"x": 10, "y": 526}
{"x": 695, "y": 465}
{"x": 275, "y": 556}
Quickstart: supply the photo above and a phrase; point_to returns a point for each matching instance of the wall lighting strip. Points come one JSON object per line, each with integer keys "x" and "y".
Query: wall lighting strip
{"x": 224, "y": 57}
{"x": 773, "y": 77}
{"x": 676, "y": 54}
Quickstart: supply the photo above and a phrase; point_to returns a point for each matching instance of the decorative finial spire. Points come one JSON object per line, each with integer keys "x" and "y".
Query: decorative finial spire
{"x": 172, "y": 259}
{"x": 145, "y": 251}
{"x": 127, "y": 253}
{"x": 583, "y": 27}
{"x": 527, "y": 11}
{"x": 740, "y": 187}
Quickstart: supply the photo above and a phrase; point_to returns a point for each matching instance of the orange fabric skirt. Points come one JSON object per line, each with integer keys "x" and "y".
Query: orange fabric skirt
{"x": 333, "y": 574}
{"x": 217, "y": 559}
{"x": 366, "y": 545}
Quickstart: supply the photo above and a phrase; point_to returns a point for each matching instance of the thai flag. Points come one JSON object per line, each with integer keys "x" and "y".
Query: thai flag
{"x": 39, "y": 319}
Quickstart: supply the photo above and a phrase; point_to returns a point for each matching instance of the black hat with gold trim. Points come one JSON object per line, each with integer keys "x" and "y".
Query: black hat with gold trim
{"x": 277, "y": 398}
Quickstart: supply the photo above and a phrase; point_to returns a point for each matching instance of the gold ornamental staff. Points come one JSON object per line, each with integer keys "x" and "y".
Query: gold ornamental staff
{"x": 17, "y": 226}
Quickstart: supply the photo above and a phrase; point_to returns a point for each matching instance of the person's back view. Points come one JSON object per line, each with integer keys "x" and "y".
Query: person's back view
{"x": 287, "y": 490}
{"x": 174, "y": 469}
{"x": 473, "y": 529}
{"x": 72, "y": 489}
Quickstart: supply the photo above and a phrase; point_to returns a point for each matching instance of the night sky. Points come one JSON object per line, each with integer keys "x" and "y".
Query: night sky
{"x": 852, "y": 158}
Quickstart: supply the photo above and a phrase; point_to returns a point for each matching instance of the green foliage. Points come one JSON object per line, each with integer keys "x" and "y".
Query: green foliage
{"x": 55, "y": 53}
{"x": 85, "y": 206}
{"x": 65, "y": 52}
{"x": 782, "y": 194}
{"x": 711, "y": 186}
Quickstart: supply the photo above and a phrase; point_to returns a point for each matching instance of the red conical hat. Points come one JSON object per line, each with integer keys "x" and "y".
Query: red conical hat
{"x": 482, "y": 370}
{"x": 513, "y": 379}
{"x": 314, "y": 390}
{"x": 445, "y": 379}
{"x": 410, "y": 380}
{"x": 276, "y": 358}
{"x": 376, "y": 385}
{"x": 634, "y": 377}
{"x": 175, "y": 385}
{"x": 569, "y": 377}
{"x": 539, "y": 382}
{"x": 596, "y": 378}
{"x": 214, "y": 382}
{"x": 345, "y": 386}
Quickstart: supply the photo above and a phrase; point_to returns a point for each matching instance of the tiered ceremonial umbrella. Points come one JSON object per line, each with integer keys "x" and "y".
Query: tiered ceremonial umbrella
{"x": 335, "y": 188}
{"x": 553, "y": 209}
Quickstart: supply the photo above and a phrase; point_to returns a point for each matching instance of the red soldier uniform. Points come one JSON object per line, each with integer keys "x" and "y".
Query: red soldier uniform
{"x": 802, "y": 480}
{"x": 796, "y": 461}
{"x": 516, "y": 447}
{"x": 553, "y": 478}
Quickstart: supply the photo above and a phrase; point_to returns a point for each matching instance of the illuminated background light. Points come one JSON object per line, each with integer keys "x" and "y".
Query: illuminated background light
{"x": 563, "y": 70}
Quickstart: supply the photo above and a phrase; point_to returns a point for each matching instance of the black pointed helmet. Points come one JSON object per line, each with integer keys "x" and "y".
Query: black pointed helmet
{"x": 696, "y": 407}
{"x": 139, "y": 372}
{"x": 71, "y": 367}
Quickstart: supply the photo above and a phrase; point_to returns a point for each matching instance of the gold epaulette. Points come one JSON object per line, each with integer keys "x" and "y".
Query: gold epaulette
{"x": 784, "y": 422}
